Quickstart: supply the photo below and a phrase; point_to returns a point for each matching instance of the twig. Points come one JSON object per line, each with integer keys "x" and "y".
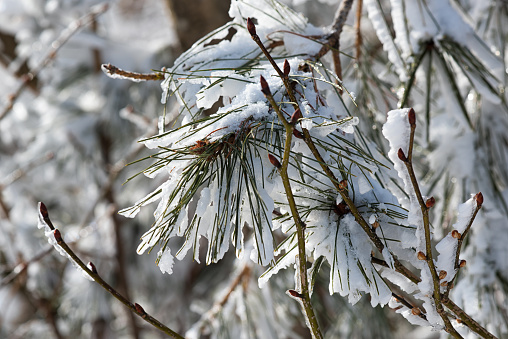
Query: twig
{"x": 358, "y": 33}
{"x": 424, "y": 207}
{"x": 92, "y": 272}
{"x": 115, "y": 72}
{"x": 66, "y": 34}
{"x": 300, "y": 226}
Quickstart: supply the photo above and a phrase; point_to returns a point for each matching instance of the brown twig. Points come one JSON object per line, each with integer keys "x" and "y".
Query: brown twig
{"x": 358, "y": 33}
{"x": 114, "y": 72}
{"x": 92, "y": 272}
{"x": 66, "y": 34}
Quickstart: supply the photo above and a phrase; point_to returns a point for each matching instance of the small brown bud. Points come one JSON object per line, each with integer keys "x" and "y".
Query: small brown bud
{"x": 297, "y": 115}
{"x": 264, "y": 86}
{"x": 444, "y": 283}
{"x": 416, "y": 311}
{"x": 430, "y": 202}
{"x": 450, "y": 285}
{"x": 375, "y": 224}
{"x": 411, "y": 117}
{"x": 286, "y": 68}
{"x": 274, "y": 161}
{"x": 251, "y": 27}
{"x": 462, "y": 263}
{"x": 297, "y": 134}
{"x": 58, "y": 236}
{"x": 295, "y": 294}
{"x": 140, "y": 309}
{"x": 479, "y": 199}
{"x": 343, "y": 184}
{"x": 92, "y": 267}
{"x": 43, "y": 209}
{"x": 442, "y": 274}
{"x": 401, "y": 155}
{"x": 458, "y": 321}
{"x": 456, "y": 234}
{"x": 421, "y": 256}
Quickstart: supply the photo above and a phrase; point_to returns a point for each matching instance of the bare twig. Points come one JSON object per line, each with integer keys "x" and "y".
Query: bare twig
{"x": 92, "y": 272}
{"x": 358, "y": 33}
{"x": 115, "y": 72}
{"x": 66, "y": 34}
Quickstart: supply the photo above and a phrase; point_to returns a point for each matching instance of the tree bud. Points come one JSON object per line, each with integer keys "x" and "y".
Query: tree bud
{"x": 140, "y": 309}
{"x": 295, "y": 294}
{"x": 444, "y": 283}
{"x": 401, "y": 155}
{"x": 264, "y": 86}
{"x": 286, "y": 68}
{"x": 251, "y": 27}
{"x": 462, "y": 263}
{"x": 58, "y": 236}
{"x": 411, "y": 117}
{"x": 442, "y": 274}
{"x": 92, "y": 267}
{"x": 430, "y": 202}
{"x": 274, "y": 161}
{"x": 456, "y": 234}
{"x": 479, "y": 199}
{"x": 297, "y": 134}
{"x": 416, "y": 311}
{"x": 343, "y": 184}
{"x": 421, "y": 256}
{"x": 297, "y": 115}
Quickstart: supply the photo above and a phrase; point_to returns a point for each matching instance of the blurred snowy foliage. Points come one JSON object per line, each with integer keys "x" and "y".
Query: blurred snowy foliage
{"x": 72, "y": 130}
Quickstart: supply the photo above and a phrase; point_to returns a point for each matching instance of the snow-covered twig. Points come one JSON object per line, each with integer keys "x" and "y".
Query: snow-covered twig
{"x": 91, "y": 271}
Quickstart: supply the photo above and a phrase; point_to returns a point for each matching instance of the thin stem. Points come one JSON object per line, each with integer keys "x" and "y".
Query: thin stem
{"x": 358, "y": 42}
{"x": 136, "y": 308}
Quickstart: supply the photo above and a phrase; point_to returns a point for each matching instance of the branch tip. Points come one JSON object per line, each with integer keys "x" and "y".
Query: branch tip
{"x": 286, "y": 68}
{"x": 264, "y": 86}
{"x": 44, "y": 210}
{"x": 251, "y": 27}
{"x": 479, "y": 199}
{"x": 411, "y": 117}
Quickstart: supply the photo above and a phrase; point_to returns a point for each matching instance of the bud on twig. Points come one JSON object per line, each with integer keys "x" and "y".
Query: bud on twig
{"x": 444, "y": 283}
{"x": 295, "y": 294}
{"x": 421, "y": 256}
{"x": 140, "y": 309}
{"x": 286, "y": 68}
{"x": 430, "y": 202}
{"x": 416, "y": 311}
{"x": 343, "y": 184}
{"x": 58, "y": 236}
{"x": 442, "y": 274}
{"x": 411, "y": 117}
{"x": 401, "y": 155}
{"x": 456, "y": 234}
{"x": 92, "y": 267}
{"x": 274, "y": 161}
{"x": 479, "y": 199}
{"x": 264, "y": 86}
{"x": 462, "y": 263}
{"x": 297, "y": 115}
{"x": 297, "y": 133}
{"x": 251, "y": 27}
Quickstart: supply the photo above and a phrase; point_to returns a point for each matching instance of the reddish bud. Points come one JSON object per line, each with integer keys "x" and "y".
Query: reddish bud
{"x": 479, "y": 199}
{"x": 421, "y": 256}
{"x": 456, "y": 234}
{"x": 416, "y": 311}
{"x": 58, "y": 236}
{"x": 401, "y": 155}
{"x": 297, "y": 115}
{"x": 274, "y": 161}
{"x": 430, "y": 202}
{"x": 297, "y": 133}
{"x": 343, "y": 184}
{"x": 444, "y": 283}
{"x": 462, "y": 263}
{"x": 458, "y": 321}
{"x": 251, "y": 27}
{"x": 92, "y": 267}
{"x": 375, "y": 224}
{"x": 264, "y": 86}
{"x": 140, "y": 309}
{"x": 295, "y": 294}
{"x": 43, "y": 210}
{"x": 442, "y": 274}
{"x": 411, "y": 117}
{"x": 286, "y": 68}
